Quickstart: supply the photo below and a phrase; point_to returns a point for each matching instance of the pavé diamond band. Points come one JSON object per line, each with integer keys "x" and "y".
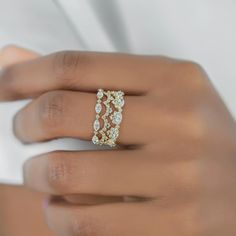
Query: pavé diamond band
{"x": 108, "y": 108}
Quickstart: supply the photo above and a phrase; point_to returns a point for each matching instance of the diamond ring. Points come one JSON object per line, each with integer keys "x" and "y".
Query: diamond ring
{"x": 108, "y": 108}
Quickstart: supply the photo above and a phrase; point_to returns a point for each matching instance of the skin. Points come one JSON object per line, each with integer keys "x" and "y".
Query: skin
{"x": 18, "y": 201}
{"x": 175, "y": 170}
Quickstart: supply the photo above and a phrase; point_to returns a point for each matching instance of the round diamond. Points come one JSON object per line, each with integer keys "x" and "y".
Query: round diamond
{"x": 120, "y": 93}
{"x": 117, "y": 118}
{"x": 96, "y": 125}
{"x": 109, "y": 111}
{"x": 113, "y": 133}
{"x": 98, "y": 108}
{"x": 100, "y": 94}
{"x": 119, "y": 102}
{"x": 95, "y": 139}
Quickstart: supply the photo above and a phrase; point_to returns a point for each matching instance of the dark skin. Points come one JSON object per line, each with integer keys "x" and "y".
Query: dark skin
{"x": 180, "y": 171}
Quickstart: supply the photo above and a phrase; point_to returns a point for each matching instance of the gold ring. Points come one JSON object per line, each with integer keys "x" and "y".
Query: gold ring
{"x": 108, "y": 108}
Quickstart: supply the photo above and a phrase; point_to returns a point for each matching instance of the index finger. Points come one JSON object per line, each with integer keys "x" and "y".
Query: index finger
{"x": 82, "y": 71}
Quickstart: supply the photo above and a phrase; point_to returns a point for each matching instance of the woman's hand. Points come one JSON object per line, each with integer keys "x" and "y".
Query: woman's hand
{"x": 175, "y": 173}
{"x": 16, "y": 201}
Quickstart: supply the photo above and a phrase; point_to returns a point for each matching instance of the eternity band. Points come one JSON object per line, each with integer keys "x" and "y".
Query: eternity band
{"x": 108, "y": 108}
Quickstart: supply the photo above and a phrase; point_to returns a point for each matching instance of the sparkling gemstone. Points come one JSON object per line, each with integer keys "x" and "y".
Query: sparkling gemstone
{"x": 120, "y": 93}
{"x": 117, "y": 118}
{"x": 114, "y": 133}
{"x": 111, "y": 143}
{"x": 100, "y": 94}
{"x": 109, "y": 111}
{"x": 95, "y": 139}
{"x": 119, "y": 102}
{"x": 98, "y": 108}
{"x": 96, "y": 125}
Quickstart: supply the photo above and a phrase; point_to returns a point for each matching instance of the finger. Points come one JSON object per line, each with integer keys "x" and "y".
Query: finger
{"x": 71, "y": 114}
{"x": 13, "y": 54}
{"x": 87, "y": 199}
{"x": 83, "y": 71}
{"x": 109, "y": 173}
{"x": 121, "y": 219}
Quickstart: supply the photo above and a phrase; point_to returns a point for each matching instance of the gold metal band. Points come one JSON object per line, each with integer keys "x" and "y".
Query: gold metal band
{"x": 108, "y": 110}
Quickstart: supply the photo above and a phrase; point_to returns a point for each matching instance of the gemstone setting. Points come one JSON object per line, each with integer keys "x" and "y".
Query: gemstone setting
{"x": 100, "y": 94}
{"x": 96, "y": 125}
{"x": 95, "y": 139}
{"x": 119, "y": 102}
{"x": 116, "y": 118}
{"x": 108, "y": 110}
{"x": 98, "y": 108}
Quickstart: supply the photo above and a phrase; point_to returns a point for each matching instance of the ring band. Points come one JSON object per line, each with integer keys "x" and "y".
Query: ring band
{"x": 108, "y": 108}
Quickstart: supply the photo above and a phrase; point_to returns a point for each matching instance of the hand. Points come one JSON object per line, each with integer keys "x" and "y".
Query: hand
{"x": 18, "y": 200}
{"x": 175, "y": 171}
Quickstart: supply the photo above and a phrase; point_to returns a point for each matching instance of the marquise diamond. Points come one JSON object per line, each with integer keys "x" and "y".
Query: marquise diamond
{"x": 98, "y": 108}
{"x": 96, "y": 125}
{"x": 95, "y": 139}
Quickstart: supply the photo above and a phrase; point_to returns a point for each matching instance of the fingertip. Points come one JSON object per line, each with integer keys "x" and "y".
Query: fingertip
{"x": 11, "y": 54}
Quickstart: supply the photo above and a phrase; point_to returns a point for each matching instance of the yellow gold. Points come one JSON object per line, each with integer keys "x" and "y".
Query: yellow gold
{"x": 113, "y": 102}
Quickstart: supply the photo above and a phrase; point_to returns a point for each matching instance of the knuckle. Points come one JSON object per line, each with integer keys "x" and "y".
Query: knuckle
{"x": 192, "y": 72}
{"x": 59, "y": 172}
{"x": 65, "y": 63}
{"x": 51, "y": 110}
{"x": 192, "y": 68}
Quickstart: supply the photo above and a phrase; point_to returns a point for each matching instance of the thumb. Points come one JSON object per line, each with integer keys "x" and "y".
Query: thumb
{"x": 13, "y": 54}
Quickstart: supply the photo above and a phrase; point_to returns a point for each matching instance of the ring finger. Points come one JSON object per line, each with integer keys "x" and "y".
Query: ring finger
{"x": 71, "y": 114}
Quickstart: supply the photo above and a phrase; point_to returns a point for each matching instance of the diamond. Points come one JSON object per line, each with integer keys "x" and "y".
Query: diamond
{"x": 119, "y": 94}
{"x": 117, "y": 118}
{"x": 98, "y": 108}
{"x": 109, "y": 111}
{"x": 95, "y": 139}
{"x": 113, "y": 133}
{"x": 99, "y": 94}
{"x": 96, "y": 125}
{"x": 119, "y": 102}
{"x": 111, "y": 143}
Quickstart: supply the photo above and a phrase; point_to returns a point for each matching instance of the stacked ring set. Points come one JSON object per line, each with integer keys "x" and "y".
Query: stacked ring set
{"x": 108, "y": 110}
